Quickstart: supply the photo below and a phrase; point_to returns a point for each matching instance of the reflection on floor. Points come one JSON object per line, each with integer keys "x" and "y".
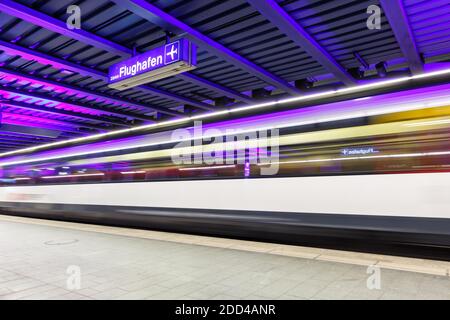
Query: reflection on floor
{"x": 42, "y": 259}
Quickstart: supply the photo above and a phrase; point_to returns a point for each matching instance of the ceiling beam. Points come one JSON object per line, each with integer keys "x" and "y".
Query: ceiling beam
{"x": 25, "y": 138}
{"x": 14, "y": 142}
{"x": 45, "y": 59}
{"x": 20, "y": 137}
{"x": 80, "y": 91}
{"x": 396, "y": 15}
{"x": 164, "y": 20}
{"x": 35, "y": 131}
{"x": 73, "y": 104}
{"x": 54, "y": 111}
{"x": 45, "y": 21}
{"x": 62, "y": 125}
{"x": 57, "y": 63}
{"x": 190, "y": 77}
{"x": 272, "y": 11}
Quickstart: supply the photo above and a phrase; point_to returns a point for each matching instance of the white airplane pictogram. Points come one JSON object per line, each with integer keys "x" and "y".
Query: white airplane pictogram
{"x": 172, "y": 52}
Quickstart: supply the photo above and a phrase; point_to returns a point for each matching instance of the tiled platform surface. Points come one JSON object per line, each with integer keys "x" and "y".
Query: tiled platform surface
{"x": 121, "y": 263}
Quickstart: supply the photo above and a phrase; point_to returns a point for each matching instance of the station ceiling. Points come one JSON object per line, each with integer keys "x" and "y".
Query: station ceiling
{"x": 53, "y": 80}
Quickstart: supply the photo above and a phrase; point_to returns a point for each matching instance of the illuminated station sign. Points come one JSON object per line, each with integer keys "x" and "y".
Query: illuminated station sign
{"x": 162, "y": 62}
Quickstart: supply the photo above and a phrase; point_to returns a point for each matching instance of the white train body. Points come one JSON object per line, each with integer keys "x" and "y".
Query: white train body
{"x": 425, "y": 195}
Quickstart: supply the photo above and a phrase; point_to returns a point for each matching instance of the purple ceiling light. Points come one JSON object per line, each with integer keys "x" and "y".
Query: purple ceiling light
{"x": 7, "y": 116}
{"x": 17, "y": 95}
{"x": 58, "y": 87}
{"x": 63, "y": 105}
{"x": 45, "y": 59}
{"x": 59, "y": 112}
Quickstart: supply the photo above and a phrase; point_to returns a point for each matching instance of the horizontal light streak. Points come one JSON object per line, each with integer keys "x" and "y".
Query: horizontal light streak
{"x": 237, "y": 110}
{"x": 74, "y": 175}
{"x": 132, "y": 172}
{"x": 428, "y": 123}
{"x": 289, "y": 139}
{"x": 315, "y": 136}
{"x": 207, "y": 168}
{"x": 402, "y": 155}
{"x": 361, "y": 113}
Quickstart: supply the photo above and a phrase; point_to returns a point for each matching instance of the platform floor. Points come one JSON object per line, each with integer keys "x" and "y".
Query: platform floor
{"x": 40, "y": 258}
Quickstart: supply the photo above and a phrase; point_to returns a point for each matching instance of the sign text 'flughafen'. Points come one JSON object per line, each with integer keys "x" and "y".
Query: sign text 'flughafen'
{"x": 168, "y": 60}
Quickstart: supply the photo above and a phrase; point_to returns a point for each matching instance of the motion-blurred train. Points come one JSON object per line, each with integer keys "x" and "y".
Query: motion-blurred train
{"x": 365, "y": 173}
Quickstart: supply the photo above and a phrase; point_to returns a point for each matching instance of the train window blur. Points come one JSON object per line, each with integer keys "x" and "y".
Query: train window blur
{"x": 407, "y": 142}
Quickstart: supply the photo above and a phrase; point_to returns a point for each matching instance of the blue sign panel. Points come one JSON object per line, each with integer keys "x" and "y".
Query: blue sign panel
{"x": 168, "y": 60}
